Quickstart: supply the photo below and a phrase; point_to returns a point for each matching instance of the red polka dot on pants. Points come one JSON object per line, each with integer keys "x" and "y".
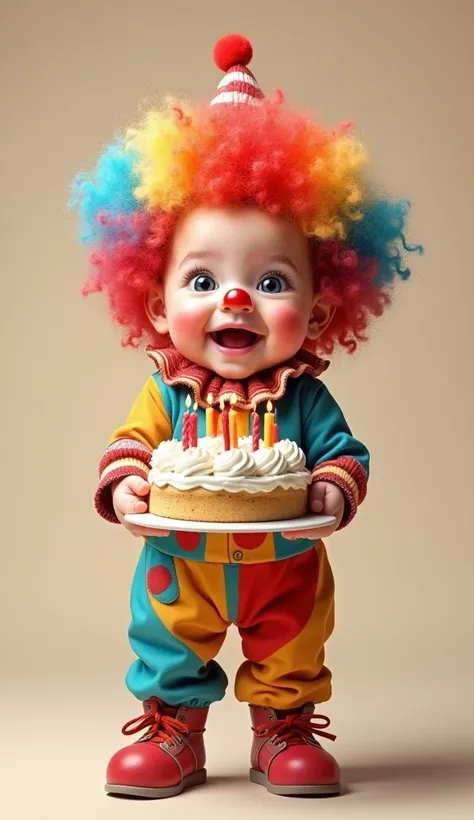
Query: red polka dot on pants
{"x": 188, "y": 541}
{"x": 249, "y": 540}
{"x": 159, "y": 579}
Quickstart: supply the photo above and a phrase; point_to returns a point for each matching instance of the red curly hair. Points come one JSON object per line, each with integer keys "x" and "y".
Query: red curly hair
{"x": 270, "y": 157}
{"x": 128, "y": 272}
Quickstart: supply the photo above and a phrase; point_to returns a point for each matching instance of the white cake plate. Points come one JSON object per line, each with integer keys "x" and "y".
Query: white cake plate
{"x": 157, "y": 522}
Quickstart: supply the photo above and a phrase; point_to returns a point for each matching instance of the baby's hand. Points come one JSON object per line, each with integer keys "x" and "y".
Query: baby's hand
{"x": 130, "y": 495}
{"x": 327, "y": 499}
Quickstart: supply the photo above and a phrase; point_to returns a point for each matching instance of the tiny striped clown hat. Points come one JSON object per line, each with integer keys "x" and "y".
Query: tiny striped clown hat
{"x": 232, "y": 54}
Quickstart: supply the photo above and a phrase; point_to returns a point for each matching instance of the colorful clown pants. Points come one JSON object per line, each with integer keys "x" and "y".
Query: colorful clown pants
{"x": 181, "y": 610}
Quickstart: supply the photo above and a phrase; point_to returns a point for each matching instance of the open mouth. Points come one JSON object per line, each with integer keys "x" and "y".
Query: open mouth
{"x": 235, "y": 338}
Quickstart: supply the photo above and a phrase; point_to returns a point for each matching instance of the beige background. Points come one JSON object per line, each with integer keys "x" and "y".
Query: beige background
{"x": 402, "y": 657}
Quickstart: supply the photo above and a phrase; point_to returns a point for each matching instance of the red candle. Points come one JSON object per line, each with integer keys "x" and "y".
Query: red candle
{"x": 225, "y": 426}
{"x": 255, "y": 431}
{"x": 186, "y": 424}
{"x": 193, "y": 425}
{"x": 185, "y": 431}
{"x": 274, "y": 433}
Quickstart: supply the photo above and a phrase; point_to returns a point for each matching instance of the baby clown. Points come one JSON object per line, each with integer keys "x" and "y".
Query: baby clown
{"x": 240, "y": 239}
{"x": 265, "y": 259}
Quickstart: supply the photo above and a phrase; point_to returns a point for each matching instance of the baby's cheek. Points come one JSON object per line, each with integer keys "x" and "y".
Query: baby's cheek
{"x": 288, "y": 323}
{"x": 186, "y": 323}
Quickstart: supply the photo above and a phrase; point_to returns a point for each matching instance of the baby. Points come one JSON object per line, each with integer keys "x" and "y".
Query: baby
{"x": 243, "y": 196}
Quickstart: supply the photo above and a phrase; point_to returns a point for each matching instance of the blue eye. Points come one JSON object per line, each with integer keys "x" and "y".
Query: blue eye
{"x": 203, "y": 283}
{"x": 273, "y": 284}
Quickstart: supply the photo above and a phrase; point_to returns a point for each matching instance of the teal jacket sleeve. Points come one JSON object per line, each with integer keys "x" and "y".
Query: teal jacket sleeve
{"x": 333, "y": 453}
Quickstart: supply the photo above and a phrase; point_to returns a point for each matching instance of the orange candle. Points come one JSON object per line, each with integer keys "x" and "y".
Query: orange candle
{"x": 234, "y": 440}
{"x": 211, "y": 417}
{"x": 268, "y": 423}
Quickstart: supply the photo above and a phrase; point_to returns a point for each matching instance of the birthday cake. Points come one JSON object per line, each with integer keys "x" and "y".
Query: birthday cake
{"x": 210, "y": 483}
{"x": 226, "y": 478}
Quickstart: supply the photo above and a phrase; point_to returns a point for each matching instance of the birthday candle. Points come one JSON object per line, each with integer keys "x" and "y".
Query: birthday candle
{"x": 225, "y": 425}
{"x": 268, "y": 422}
{"x": 275, "y": 435}
{"x": 211, "y": 417}
{"x": 234, "y": 441}
{"x": 255, "y": 430}
{"x": 193, "y": 426}
{"x": 186, "y": 417}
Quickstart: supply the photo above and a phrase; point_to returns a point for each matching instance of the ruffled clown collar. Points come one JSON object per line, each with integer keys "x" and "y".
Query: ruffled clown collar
{"x": 267, "y": 385}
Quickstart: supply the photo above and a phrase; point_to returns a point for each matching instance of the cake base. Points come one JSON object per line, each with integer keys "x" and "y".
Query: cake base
{"x": 199, "y": 504}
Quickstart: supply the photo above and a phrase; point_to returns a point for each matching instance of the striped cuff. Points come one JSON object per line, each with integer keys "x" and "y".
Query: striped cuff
{"x": 124, "y": 457}
{"x": 349, "y": 475}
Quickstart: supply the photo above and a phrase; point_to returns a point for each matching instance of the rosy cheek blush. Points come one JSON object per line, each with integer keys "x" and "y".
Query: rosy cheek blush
{"x": 185, "y": 324}
{"x": 287, "y": 322}
{"x": 188, "y": 321}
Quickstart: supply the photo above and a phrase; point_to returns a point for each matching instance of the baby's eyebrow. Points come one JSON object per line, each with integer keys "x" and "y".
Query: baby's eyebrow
{"x": 200, "y": 255}
{"x": 283, "y": 259}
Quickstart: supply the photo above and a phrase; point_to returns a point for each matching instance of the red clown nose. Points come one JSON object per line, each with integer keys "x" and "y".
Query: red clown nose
{"x": 237, "y": 301}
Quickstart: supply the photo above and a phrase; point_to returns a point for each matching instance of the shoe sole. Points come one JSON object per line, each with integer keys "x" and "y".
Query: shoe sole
{"x": 195, "y": 779}
{"x": 294, "y": 791}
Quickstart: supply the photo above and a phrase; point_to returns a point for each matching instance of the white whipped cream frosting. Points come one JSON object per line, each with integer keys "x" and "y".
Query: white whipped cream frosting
{"x": 194, "y": 461}
{"x": 213, "y": 444}
{"x": 234, "y": 462}
{"x": 165, "y": 456}
{"x": 294, "y": 455}
{"x": 211, "y": 467}
{"x": 270, "y": 461}
{"x": 232, "y": 484}
{"x": 246, "y": 443}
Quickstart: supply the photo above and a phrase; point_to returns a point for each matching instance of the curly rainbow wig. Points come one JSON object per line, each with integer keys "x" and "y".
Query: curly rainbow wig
{"x": 242, "y": 150}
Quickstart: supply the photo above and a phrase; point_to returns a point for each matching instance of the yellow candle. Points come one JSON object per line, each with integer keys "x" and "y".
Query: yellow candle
{"x": 234, "y": 439}
{"x": 268, "y": 422}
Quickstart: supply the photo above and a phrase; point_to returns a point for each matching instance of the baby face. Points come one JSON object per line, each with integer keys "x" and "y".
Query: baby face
{"x": 238, "y": 292}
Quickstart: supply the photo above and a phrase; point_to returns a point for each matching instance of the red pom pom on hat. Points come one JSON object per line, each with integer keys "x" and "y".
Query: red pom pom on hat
{"x": 232, "y": 55}
{"x": 234, "y": 49}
